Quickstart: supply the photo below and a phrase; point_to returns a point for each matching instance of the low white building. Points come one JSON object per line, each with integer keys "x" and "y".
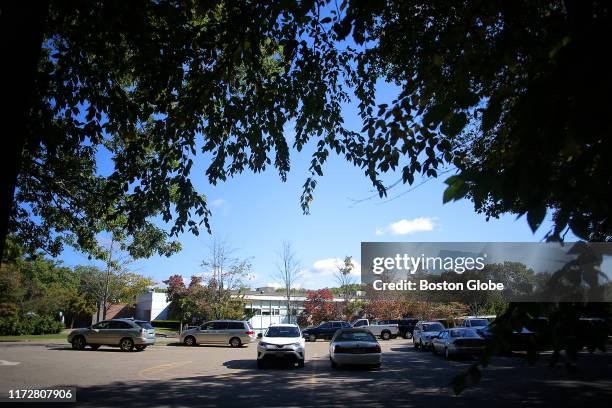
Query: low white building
{"x": 152, "y": 306}
{"x": 265, "y": 305}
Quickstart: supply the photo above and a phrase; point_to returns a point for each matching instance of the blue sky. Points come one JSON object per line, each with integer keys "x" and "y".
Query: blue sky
{"x": 255, "y": 213}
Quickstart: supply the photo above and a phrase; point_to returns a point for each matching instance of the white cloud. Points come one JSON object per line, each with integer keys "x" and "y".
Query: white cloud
{"x": 321, "y": 273}
{"x": 274, "y": 285}
{"x": 218, "y": 202}
{"x": 407, "y": 227}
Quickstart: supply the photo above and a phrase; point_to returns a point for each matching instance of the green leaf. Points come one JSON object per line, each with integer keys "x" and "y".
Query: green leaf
{"x": 456, "y": 189}
{"x": 535, "y": 216}
{"x": 579, "y": 226}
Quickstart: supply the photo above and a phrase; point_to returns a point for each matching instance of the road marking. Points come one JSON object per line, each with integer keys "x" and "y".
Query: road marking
{"x": 9, "y": 363}
{"x": 160, "y": 368}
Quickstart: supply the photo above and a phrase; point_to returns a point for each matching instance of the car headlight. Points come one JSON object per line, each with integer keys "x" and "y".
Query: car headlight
{"x": 298, "y": 345}
{"x": 264, "y": 345}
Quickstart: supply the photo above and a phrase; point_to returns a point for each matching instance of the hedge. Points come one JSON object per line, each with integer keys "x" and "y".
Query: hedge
{"x": 169, "y": 324}
{"x": 26, "y": 325}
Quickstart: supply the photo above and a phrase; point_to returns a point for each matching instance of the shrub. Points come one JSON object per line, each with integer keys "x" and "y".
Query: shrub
{"x": 26, "y": 325}
{"x": 168, "y": 324}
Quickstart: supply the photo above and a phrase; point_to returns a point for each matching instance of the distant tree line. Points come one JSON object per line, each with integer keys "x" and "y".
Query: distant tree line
{"x": 37, "y": 292}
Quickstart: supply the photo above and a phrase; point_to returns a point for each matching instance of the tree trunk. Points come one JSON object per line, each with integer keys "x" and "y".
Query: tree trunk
{"x": 21, "y": 34}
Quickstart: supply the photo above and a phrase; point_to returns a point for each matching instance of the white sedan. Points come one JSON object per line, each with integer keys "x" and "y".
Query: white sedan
{"x": 354, "y": 347}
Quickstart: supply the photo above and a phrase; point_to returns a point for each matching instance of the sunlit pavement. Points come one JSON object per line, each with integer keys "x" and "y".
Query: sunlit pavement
{"x": 175, "y": 375}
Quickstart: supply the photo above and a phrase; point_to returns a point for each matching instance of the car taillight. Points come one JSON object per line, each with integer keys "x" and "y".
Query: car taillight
{"x": 376, "y": 349}
{"x": 143, "y": 332}
{"x": 250, "y": 333}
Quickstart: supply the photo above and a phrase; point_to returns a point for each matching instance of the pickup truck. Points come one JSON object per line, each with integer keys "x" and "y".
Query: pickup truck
{"x": 384, "y": 331}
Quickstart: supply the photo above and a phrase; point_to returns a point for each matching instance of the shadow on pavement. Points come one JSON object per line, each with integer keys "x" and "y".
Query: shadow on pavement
{"x": 224, "y": 346}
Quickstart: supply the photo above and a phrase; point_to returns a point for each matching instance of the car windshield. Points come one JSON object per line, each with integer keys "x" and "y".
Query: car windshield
{"x": 463, "y": 333}
{"x": 283, "y": 331}
{"x": 479, "y": 322}
{"x": 433, "y": 327}
{"x": 355, "y": 336}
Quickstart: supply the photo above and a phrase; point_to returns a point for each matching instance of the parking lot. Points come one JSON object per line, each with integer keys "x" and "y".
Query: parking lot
{"x": 174, "y": 375}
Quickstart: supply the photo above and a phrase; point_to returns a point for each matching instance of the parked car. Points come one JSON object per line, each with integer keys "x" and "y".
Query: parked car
{"x": 451, "y": 342}
{"x": 354, "y": 346}
{"x": 519, "y": 340}
{"x": 233, "y": 332}
{"x": 324, "y": 331}
{"x": 406, "y": 326}
{"x": 127, "y": 334}
{"x": 474, "y": 322}
{"x": 281, "y": 341}
{"x": 384, "y": 331}
{"x": 424, "y": 333}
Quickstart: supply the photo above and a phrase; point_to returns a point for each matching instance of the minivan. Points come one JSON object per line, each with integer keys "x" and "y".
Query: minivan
{"x": 230, "y": 332}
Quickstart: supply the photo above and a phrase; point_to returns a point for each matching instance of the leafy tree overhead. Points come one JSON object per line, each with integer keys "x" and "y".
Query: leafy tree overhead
{"x": 140, "y": 82}
{"x": 512, "y": 95}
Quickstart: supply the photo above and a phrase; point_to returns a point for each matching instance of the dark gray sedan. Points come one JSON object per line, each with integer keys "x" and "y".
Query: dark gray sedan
{"x": 452, "y": 342}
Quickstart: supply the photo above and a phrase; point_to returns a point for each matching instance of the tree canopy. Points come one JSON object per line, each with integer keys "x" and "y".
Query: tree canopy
{"x": 513, "y": 96}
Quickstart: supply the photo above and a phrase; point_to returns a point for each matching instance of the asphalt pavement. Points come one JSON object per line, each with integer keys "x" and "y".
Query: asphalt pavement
{"x": 169, "y": 374}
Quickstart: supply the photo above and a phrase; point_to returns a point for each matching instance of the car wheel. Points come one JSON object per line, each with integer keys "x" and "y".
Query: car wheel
{"x": 447, "y": 355}
{"x": 407, "y": 335}
{"x": 416, "y": 345}
{"x": 312, "y": 337}
{"x": 301, "y": 363}
{"x": 421, "y": 346}
{"x": 260, "y": 363}
{"x": 94, "y": 347}
{"x": 78, "y": 343}
{"x": 333, "y": 363}
{"x": 189, "y": 341}
{"x": 140, "y": 348}
{"x": 386, "y": 335}
{"x": 126, "y": 344}
{"x": 235, "y": 342}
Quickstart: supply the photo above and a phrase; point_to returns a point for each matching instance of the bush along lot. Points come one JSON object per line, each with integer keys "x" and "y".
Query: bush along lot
{"x": 25, "y": 325}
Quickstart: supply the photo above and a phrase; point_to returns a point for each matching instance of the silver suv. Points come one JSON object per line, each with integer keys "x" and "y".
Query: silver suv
{"x": 128, "y": 334}
{"x": 232, "y": 332}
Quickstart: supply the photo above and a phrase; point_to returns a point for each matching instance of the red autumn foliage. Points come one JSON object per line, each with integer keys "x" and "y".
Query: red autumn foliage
{"x": 319, "y": 306}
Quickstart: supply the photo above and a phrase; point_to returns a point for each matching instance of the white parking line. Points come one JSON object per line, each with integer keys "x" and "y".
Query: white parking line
{"x": 9, "y": 363}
